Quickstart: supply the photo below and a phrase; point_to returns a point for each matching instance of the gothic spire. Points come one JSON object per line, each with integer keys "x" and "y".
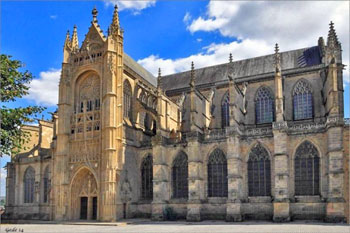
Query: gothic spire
{"x": 277, "y": 59}
{"x": 193, "y": 78}
{"x": 332, "y": 40}
{"x": 75, "y": 42}
{"x": 94, "y": 15}
{"x": 230, "y": 58}
{"x": 115, "y": 25}
{"x": 67, "y": 42}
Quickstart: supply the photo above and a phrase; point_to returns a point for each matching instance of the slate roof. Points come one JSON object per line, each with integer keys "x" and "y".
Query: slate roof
{"x": 132, "y": 64}
{"x": 244, "y": 68}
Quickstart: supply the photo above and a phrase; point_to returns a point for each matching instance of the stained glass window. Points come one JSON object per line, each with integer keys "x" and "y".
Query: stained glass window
{"x": 217, "y": 174}
{"x": 259, "y": 172}
{"x": 264, "y": 106}
{"x": 127, "y": 99}
{"x": 225, "y": 110}
{"x": 46, "y": 181}
{"x": 180, "y": 176}
{"x": 306, "y": 170}
{"x": 29, "y": 181}
{"x": 147, "y": 177}
{"x": 302, "y": 100}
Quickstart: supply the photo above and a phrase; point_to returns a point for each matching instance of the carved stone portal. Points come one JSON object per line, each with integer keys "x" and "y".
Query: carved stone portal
{"x": 84, "y": 196}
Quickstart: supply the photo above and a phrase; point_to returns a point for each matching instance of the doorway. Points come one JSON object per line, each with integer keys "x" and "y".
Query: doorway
{"x": 83, "y": 207}
{"x": 94, "y": 208}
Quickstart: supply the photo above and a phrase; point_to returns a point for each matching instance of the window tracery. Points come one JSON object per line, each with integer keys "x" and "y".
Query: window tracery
{"x": 306, "y": 167}
{"x": 259, "y": 172}
{"x": 225, "y": 110}
{"x": 180, "y": 176}
{"x": 29, "y": 182}
{"x": 264, "y": 100}
{"x": 147, "y": 177}
{"x": 127, "y": 99}
{"x": 302, "y": 100}
{"x": 46, "y": 184}
{"x": 217, "y": 174}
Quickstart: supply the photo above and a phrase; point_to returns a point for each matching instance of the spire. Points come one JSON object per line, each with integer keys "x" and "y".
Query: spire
{"x": 277, "y": 59}
{"x": 94, "y": 15}
{"x": 115, "y": 26}
{"x": 67, "y": 42}
{"x": 332, "y": 40}
{"x": 230, "y": 58}
{"x": 75, "y": 42}
{"x": 193, "y": 78}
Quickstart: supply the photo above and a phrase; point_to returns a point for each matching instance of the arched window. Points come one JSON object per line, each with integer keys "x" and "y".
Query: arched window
{"x": 46, "y": 184}
{"x": 147, "y": 122}
{"x": 29, "y": 181}
{"x": 180, "y": 176}
{"x": 217, "y": 174}
{"x": 302, "y": 100}
{"x": 259, "y": 172}
{"x": 147, "y": 177}
{"x": 225, "y": 110}
{"x": 127, "y": 99}
{"x": 264, "y": 106}
{"x": 306, "y": 167}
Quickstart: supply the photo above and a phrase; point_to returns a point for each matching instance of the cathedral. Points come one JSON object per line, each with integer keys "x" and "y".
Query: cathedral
{"x": 260, "y": 138}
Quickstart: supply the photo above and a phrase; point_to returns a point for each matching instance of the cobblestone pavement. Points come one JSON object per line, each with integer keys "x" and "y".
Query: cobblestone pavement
{"x": 202, "y": 227}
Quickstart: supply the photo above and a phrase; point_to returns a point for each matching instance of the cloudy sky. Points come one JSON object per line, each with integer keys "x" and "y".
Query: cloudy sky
{"x": 166, "y": 34}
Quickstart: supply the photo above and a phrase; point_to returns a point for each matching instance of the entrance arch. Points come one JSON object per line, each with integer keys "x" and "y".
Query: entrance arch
{"x": 84, "y": 192}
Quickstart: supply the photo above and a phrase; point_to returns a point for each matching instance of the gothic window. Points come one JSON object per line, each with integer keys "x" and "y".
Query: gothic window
{"x": 127, "y": 99}
{"x": 29, "y": 181}
{"x": 259, "y": 172}
{"x": 97, "y": 104}
{"x": 225, "y": 110}
{"x": 89, "y": 106}
{"x": 147, "y": 177}
{"x": 217, "y": 174}
{"x": 46, "y": 183}
{"x": 180, "y": 176}
{"x": 306, "y": 165}
{"x": 264, "y": 106}
{"x": 81, "y": 107}
{"x": 302, "y": 100}
{"x": 147, "y": 122}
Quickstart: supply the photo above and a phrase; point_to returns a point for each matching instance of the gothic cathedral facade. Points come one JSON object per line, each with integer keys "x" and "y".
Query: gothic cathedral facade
{"x": 261, "y": 138}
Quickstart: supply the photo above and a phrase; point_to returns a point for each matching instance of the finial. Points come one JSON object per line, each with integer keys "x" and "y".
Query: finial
{"x": 230, "y": 58}
{"x": 276, "y": 49}
{"x": 192, "y": 75}
{"x": 94, "y": 14}
{"x": 159, "y": 79}
{"x": 277, "y": 59}
{"x": 67, "y": 42}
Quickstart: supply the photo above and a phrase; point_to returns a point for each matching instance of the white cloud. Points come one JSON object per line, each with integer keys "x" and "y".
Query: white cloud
{"x": 133, "y": 5}
{"x": 187, "y": 17}
{"x": 44, "y": 90}
{"x": 53, "y": 16}
{"x": 199, "y": 39}
{"x": 291, "y": 24}
{"x": 211, "y": 55}
{"x": 258, "y": 26}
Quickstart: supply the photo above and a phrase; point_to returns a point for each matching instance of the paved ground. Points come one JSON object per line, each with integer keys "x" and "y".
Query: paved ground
{"x": 202, "y": 227}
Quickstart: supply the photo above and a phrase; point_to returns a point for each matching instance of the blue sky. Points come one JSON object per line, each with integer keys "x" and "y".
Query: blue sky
{"x": 166, "y": 34}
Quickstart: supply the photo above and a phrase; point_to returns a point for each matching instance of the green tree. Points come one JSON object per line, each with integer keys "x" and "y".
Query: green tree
{"x": 14, "y": 85}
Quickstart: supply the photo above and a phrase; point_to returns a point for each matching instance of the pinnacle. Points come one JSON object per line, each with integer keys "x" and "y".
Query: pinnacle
{"x": 192, "y": 75}
{"x": 332, "y": 39}
{"x": 75, "y": 42}
{"x": 159, "y": 72}
{"x": 230, "y": 58}
{"x": 276, "y": 49}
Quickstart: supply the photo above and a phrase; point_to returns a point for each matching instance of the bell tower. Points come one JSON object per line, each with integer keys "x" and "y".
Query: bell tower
{"x": 90, "y": 117}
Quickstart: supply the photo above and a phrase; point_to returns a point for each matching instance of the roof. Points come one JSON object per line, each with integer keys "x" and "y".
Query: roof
{"x": 132, "y": 64}
{"x": 245, "y": 68}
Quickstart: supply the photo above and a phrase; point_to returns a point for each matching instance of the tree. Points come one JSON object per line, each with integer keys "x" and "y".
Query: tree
{"x": 14, "y": 85}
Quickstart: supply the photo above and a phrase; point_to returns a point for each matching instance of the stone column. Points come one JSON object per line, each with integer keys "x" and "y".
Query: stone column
{"x": 160, "y": 179}
{"x": 335, "y": 211}
{"x": 195, "y": 180}
{"x": 281, "y": 204}
{"x": 235, "y": 182}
